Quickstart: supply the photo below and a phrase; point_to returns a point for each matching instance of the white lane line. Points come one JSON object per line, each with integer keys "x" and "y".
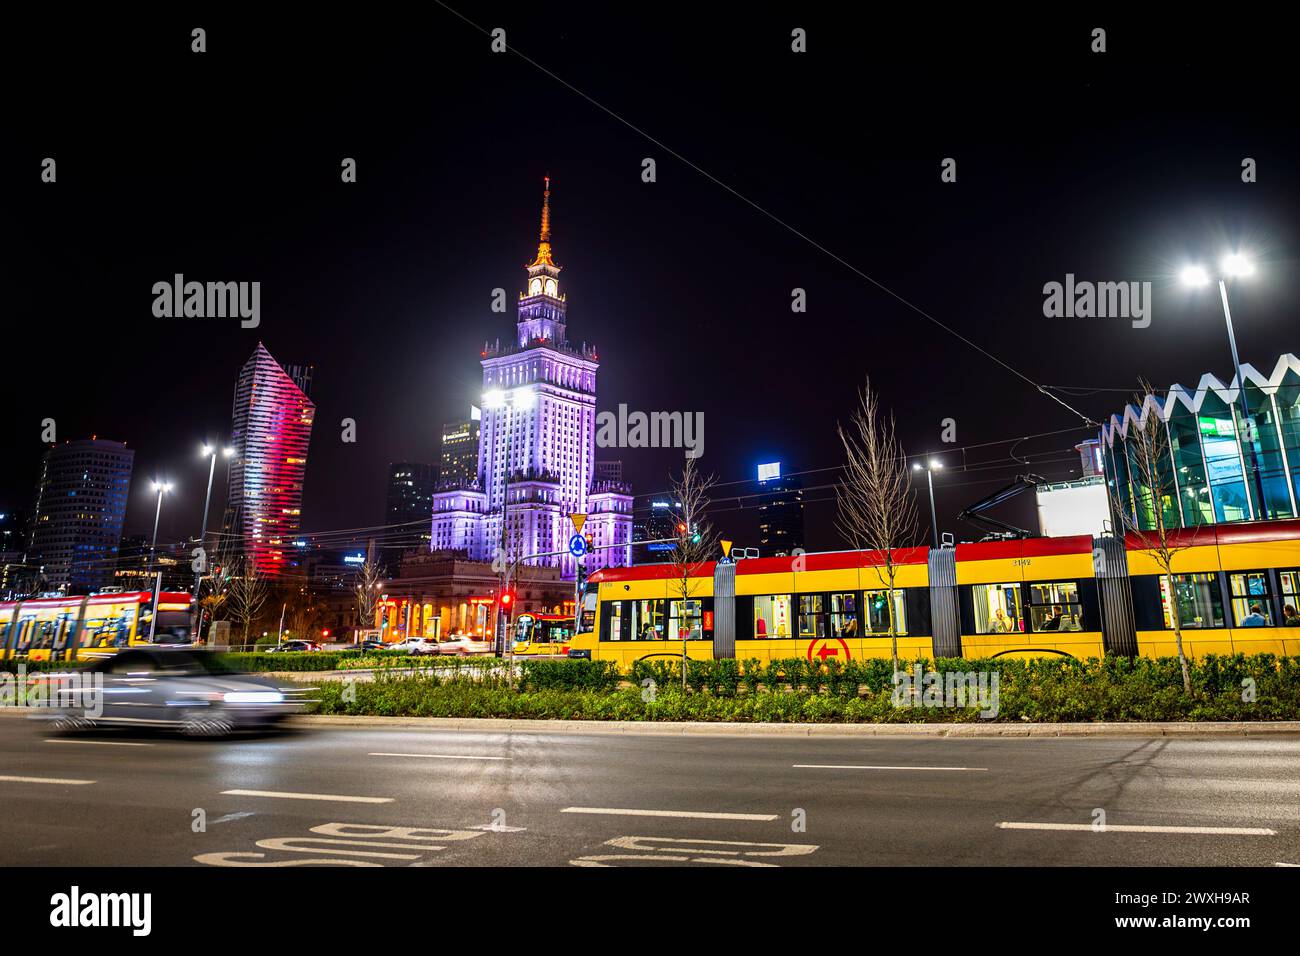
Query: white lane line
{"x": 232, "y": 816}
{"x": 286, "y": 795}
{"x": 96, "y": 743}
{"x": 689, "y": 814}
{"x": 59, "y": 780}
{"x": 1121, "y": 828}
{"x": 849, "y": 766}
{"x": 438, "y": 756}
{"x": 1286, "y": 864}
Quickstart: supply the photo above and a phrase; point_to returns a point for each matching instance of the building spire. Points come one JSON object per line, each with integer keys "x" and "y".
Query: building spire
{"x": 544, "y": 243}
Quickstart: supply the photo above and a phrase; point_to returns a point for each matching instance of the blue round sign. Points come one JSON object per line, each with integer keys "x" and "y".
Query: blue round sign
{"x": 577, "y": 546}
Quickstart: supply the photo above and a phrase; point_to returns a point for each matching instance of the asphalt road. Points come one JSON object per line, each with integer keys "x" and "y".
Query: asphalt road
{"x": 430, "y": 798}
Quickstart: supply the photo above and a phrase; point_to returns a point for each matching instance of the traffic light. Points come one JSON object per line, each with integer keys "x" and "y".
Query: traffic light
{"x": 591, "y": 541}
{"x": 507, "y": 598}
{"x": 681, "y": 529}
{"x": 695, "y": 534}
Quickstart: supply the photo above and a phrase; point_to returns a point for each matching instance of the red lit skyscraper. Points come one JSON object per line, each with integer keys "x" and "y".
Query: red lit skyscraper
{"x": 270, "y": 432}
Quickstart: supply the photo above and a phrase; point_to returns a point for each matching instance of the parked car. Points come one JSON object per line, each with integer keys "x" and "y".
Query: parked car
{"x": 294, "y": 646}
{"x": 415, "y": 645}
{"x": 184, "y": 690}
{"x": 463, "y": 646}
{"x": 369, "y": 644}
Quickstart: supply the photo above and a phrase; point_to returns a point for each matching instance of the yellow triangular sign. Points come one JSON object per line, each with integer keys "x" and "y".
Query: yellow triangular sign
{"x": 578, "y": 522}
{"x": 726, "y": 549}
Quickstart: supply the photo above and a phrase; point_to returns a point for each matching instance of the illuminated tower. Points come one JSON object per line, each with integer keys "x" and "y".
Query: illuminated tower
{"x": 270, "y": 432}
{"x": 538, "y": 438}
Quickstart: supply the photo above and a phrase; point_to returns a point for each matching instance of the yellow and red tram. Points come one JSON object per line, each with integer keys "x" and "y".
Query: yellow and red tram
{"x": 1234, "y": 588}
{"x": 66, "y": 628}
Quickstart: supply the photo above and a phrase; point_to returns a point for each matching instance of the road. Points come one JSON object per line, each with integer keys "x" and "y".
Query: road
{"x": 471, "y": 798}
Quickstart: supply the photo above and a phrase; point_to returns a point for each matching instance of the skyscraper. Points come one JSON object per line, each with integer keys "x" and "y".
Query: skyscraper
{"x": 408, "y": 504}
{"x": 780, "y": 511}
{"x": 270, "y": 432}
{"x": 77, "y": 519}
{"x": 458, "y": 461}
{"x": 538, "y": 442}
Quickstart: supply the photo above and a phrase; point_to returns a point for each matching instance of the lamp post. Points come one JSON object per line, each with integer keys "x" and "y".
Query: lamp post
{"x": 929, "y": 469}
{"x": 208, "y": 451}
{"x": 497, "y": 400}
{"x": 161, "y": 487}
{"x": 1234, "y": 265}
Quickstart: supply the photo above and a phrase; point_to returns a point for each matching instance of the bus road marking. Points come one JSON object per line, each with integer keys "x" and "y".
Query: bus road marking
{"x": 1124, "y": 828}
{"x": 96, "y": 743}
{"x": 55, "y": 780}
{"x": 286, "y": 795}
{"x": 847, "y": 766}
{"x": 689, "y": 814}
{"x": 438, "y": 756}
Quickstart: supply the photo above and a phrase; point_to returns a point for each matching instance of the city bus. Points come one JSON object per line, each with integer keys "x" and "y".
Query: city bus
{"x": 543, "y": 634}
{"x": 1235, "y": 589}
{"x": 96, "y": 625}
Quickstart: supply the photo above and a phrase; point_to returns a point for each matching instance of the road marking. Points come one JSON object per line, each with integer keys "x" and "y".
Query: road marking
{"x": 689, "y": 814}
{"x": 1119, "y": 828}
{"x": 232, "y": 816}
{"x": 847, "y": 766}
{"x": 438, "y": 756}
{"x": 285, "y": 795}
{"x": 96, "y": 743}
{"x": 1286, "y": 864}
{"x": 58, "y": 780}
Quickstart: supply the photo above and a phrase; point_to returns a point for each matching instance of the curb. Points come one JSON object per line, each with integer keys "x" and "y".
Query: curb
{"x": 709, "y": 729}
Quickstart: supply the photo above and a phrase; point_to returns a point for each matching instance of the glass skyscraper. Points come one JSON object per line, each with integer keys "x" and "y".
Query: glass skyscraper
{"x": 270, "y": 432}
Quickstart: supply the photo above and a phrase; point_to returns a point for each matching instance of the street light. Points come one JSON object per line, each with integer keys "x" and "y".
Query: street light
{"x": 497, "y": 400}
{"x": 206, "y": 451}
{"x": 1234, "y": 265}
{"x": 929, "y": 470}
{"x": 161, "y": 488}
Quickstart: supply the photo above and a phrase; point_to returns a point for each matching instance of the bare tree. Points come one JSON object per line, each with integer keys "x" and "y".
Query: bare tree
{"x": 876, "y": 501}
{"x": 246, "y": 593}
{"x": 695, "y": 544}
{"x": 366, "y": 590}
{"x": 1151, "y": 473}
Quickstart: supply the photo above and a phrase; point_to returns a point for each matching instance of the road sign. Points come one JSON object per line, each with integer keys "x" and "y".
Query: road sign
{"x": 823, "y": 648}
{"x": 578, "y": 522}
{"x": 726, "y": 548}
{"x": 578, "y": 545}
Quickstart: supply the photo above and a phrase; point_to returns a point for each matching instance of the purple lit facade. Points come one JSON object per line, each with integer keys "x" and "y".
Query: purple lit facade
{"x": 539, "y": 429}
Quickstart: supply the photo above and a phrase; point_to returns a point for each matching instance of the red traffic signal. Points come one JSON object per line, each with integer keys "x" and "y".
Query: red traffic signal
{"x": 506, "y": 599}
{"x": 681, "y": 527}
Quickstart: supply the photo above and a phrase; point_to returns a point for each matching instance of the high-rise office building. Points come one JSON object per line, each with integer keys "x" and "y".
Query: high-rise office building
{"x": 76, "y": 522}
{"x": 270, "y": 431}
{"x": 609, "y": 470}
{"x": 458, "y": 459}
{"x": 653, "y": 527}
{"x": 408, "y": 504}
{"x": 538, "y": 446}
{"x": 780, "y": 511}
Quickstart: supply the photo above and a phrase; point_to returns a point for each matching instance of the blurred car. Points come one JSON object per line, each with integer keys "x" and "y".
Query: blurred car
{"x": 369, "y": 644}
{"x": 183, "y": 690}
{"x": 415, "y": 645}
{"x": 462, "y": 646}
{"x": 293, "y": 646}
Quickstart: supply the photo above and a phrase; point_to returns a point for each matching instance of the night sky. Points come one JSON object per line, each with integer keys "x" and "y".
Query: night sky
{"x": 225, "y": 166}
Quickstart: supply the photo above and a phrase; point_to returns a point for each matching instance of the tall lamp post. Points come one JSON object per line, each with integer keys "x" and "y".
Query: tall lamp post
{"x": 929, "y": 469}
{"x": 1234, "y": 265}
{"x": 161, "y": 487}
{"x": 207, "y": 451}
{"x": 497, "y": 400}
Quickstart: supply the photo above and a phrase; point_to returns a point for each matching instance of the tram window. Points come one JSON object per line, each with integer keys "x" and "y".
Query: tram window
{"x": 1252, "y": 600}
{"x": 1290, "y": 598}
{"x": 614, "y": 618}
{"x": 997, "y": 609}
{"x": 1054, "y": 606}
{"x": 877, "y": 605}
{"x": 1200, "y": 603}
{"x": 812, "y": 619}
{"x": 844, "y": 615}
{"x": 647, "y": 620}
{"x": 771, "y": 615}
{"x": 42, "y": 636}
{"x": 691, "y": 622}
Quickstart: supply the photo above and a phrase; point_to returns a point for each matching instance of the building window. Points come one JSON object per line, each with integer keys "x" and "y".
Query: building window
{"x": 1054, "y": 606}
{"x": 997, "y": 609}
{"x": 1252, "y": 602}
{"x": 772, "y": 616}
{"x": 877, "y": 605}
{"x": 1200, "y": 603}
